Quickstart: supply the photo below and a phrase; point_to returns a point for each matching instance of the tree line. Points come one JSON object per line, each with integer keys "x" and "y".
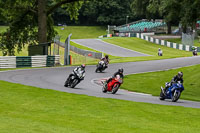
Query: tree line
{"x": 31, "y": 21}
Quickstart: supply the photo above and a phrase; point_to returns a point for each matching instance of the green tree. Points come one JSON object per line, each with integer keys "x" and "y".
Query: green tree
{"x": 140, "y": 8}
{"x": 107, "y": 12}
{"x": 152, "y": 9}
{"x": 30, "y": 21}
{"x": 168, "y": 9}
{"x": 189, "y": 14}
{"x": 184, "y": 11}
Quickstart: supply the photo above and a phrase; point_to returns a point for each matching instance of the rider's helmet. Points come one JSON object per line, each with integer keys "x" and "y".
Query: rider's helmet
{"x": 83, "y": 66}
{"x": 180, "y": 74}
{"x": 121, "y": 70}
{"x": 106, "y": 56}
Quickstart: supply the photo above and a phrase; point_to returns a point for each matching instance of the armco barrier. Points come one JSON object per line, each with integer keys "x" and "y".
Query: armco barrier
{"x": 86, "y": 52}
{"x": 29, "y": 61}
{"x": 83, "y": 52}
{"x": 166, "y": 43}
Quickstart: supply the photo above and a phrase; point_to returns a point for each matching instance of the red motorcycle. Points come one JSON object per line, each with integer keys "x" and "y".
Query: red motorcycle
{"x": 113, "y": 85}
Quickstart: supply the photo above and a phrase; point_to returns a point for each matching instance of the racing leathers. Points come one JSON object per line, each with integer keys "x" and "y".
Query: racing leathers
{"x": 106, "y": 61}
{"x": 114, "y": 75}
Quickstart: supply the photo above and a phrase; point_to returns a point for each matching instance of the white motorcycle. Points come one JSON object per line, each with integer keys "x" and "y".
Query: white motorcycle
{"x": 74, "y": 79}
{"x": 101, "y": 66}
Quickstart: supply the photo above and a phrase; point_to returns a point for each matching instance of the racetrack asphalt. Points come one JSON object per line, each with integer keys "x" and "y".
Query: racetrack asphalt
{"x": 54, "y": 78}
{"x": 108, "y": 48}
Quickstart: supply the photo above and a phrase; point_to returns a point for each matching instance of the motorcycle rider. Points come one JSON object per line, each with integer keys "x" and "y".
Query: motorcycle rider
{"x": 106, "y": 60}
{"x": 194, "y": 52}
{"x": 119, "y": 72}
{"x": 160, "y": 53}
{"x": 175, "y": 79}
{"x": 79, "y": 69}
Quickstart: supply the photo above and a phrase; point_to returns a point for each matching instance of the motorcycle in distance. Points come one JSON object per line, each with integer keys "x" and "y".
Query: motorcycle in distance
{"x": 194, "y": 53}
{"x": 173, "y": 92}
{"x": 101, "y": 66}
{"x": 113, "y": 85}
{"x": 75, "y": 79}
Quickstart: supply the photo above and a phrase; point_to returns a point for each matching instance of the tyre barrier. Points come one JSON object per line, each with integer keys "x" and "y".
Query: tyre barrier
{"x": 29, "y": 61}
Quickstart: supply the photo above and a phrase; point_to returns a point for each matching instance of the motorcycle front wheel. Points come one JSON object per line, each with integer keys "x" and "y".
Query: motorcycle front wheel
{"x": 176, "y": 96}
{"x": 96, "y": 70}
{"x": 115, "y": 88}
{"x": 66, "y": 83}
{"x": 162, "y": 96}
{"x": 104, "y": 88}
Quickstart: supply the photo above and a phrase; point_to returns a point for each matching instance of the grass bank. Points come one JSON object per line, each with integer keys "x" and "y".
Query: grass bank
{"x": 80, "y": 32}
{"x": 77, "y": 59}
{"x": 150, "y": 82}
{"x": 31, "y": 109}
{"x": 146, "y": 47}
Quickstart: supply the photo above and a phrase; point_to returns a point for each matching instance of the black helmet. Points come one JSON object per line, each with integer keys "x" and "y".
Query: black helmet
{"x": 180, "y": 74}
{"x": 83, "y": 66}
{"x": 121, "y": 70}
{"x": 106, "y": 56}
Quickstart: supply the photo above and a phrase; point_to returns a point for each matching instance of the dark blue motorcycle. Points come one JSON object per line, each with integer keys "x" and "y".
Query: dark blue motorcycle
{"x": 173, "y": 92}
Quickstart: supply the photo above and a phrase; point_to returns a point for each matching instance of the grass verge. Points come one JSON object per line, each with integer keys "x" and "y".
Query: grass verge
{"x": 30, "y": 109}
{"x": 77, "y": 59}
{"x": 146, "y": 47}
{"x": 150, "y": 82}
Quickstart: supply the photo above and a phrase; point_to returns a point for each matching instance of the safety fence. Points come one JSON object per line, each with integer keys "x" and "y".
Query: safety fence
{"x": 83, "y": 52}
{"x": 29, "y": 61}
{"x": 166, "y": 43}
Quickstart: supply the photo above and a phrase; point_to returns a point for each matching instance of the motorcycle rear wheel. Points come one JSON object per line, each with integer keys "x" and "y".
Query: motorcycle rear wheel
{"x": 66, "y": 83}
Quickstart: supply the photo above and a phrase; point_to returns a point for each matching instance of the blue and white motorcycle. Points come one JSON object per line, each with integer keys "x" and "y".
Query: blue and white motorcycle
{"x": 173, "y": 92}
